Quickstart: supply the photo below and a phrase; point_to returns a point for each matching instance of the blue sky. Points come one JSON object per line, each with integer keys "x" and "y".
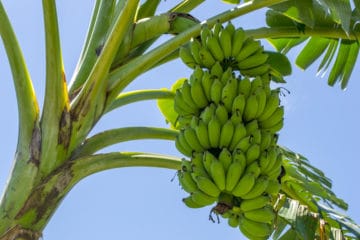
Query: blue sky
{"x": 136, "y": 203}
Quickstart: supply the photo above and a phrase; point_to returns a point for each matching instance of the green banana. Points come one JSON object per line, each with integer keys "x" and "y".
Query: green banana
{"x": 202, "y": 198}
{"x": 254, "y": 60}
{"x": 256, "y": 71}
{"x": 229, "y": 93}
{"x": 273, "y": 187}
{"x": 275, "y": 169}
{"x": 206, "y": 83}
{"x": 244, "y": 143}
{"x": 208, "y": 158}
{"x": 262, "y": 215}
{"x": 259, "y": 188}
{"x": 181, "y": 107}
{"x": 266, "y": 138}
{"x": 239, "y": 133}
{"x": 183, "y": 146}
{"x": 215, "y": 91}
{"x": 274, "y": 119}
{"x": 253, "y": 168}
{"x": 187, "y": 182}
{"x": 244, "y": 87}
{"x": 253, "y": 153}
{"x": 186, "y": 165}
{"x": 201, "y": 131}
{"x": 226, "y": 135}
{"x": 193, "y": 122}
{"x": 256, "y": 83}
{"x": 256, "y": 136}
{"x": 214, "y": 131}
{"x": 205, "y": 33}
{"x": 272, "y": 103}
{"x": 251, "y": 108}
{"x": 198, "y": 94}
{"x": 183, "y": 121}
{"x": 186, "y": 93}
{"x": 238, "y": 39}
{"x": 206, "y": 57}
{"x": 239, "y": 156}
{"x": 230, "y": 28}
{"x": 249, "y": 234}
{"x": 244, "y": 185}
{"x": 217, "y": 28}
{"x": 258, "y": 230}
{"x": 186, "y": 56}
{"x": 196, "y": 74}
{"x": 233, "y": 220}
{"x": 217, "y": 70}
{"x": 254, "y": 203}
{"x": 268, "y": 160}
{"x": 221, "y": 113}
{"x": 236, "y": 117}
{"x": 189, "y": 202}
{"x": 227, "y": 75}
{"x": 239, "y": 104}
{"x": 233, "y": 175}
{"x": 195, "y": 47}
{"x": 261, "y": 99}
{"x": 225, "y": 42}
{"x": 217, "y": 173}
{"x": 207, "y": 186}
{"x": 208, "y": 113}
{"x": 252, "y": 127}
{"x": 197, "y": 165}
{"x": 277, "y": 127}
{"x": 192, "y": 139}
{"x": 225, "y": 157}
{"x": 249, "y": 48}
{"x": 213, "y": 45}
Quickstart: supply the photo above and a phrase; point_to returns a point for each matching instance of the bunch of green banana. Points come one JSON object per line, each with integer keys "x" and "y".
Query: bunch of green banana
{"x": 228, "y": 120}
{"x": 227, "y": 46}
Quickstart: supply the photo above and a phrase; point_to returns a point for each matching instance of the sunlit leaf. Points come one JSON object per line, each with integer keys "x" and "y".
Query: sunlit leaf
{"x": 340, "y": 11}
{"x": 350, "y": 63}
{"x": 306, "y": 223}
{"x": 279, "y": 62}
{"x": 231, "y": 1}
{"x": 312, "y": 51}
{"x": 277, "y": 19}
{"x": 166, "y": 106}
{"x": 290, "y": 235}
{"x": 331, "y": 50}
{"x": 299, "y": 11}
{"x": 284, "y": 45}
{"x": 338, "y": 68}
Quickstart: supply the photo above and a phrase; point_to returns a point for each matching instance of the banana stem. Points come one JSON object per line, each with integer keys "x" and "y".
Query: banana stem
{"x": 56, "y": 101}
{"x": 25, "y": 169}
{"x": 125, "y": 74}
{"x": 96, "y": 36}
{"x": 114, "y": 136}
{"x": 291, "y": 32}
{"x": 87, "y": 107}
{"x": 28, "y": 107}
{"x": 85, "y": 166}
{"x": 140, "y": 95}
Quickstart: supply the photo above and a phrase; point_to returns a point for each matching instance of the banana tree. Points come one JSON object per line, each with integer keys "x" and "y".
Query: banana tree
{"x": 56, "y": 148}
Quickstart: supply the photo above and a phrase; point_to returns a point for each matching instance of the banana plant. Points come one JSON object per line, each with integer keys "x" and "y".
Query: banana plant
{"x": 56, "y": 148}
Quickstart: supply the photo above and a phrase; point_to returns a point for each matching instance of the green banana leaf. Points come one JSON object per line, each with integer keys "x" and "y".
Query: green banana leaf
{"x": 310, "y": 207}
{"x": 166, "y": 106}
{"x": 322, "y": 14}
{"x": 296, "y": 221}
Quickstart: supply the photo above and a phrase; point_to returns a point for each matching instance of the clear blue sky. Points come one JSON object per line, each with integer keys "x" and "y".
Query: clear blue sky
{"x": 321, "y": 122}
